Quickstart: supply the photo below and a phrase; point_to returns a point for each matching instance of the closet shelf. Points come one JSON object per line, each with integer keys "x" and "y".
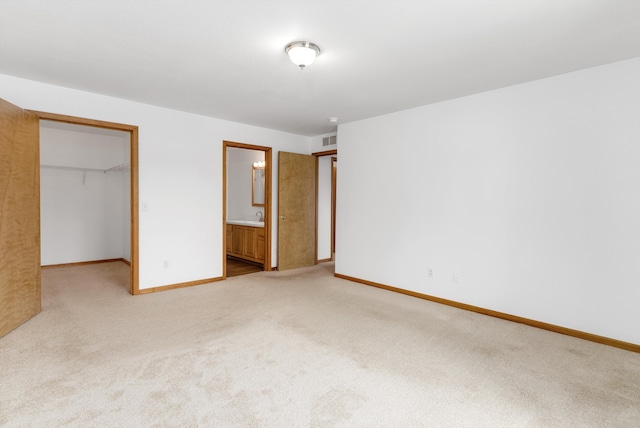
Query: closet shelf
{"x": 122, "y": 167}
{"x": 117, "y": 168}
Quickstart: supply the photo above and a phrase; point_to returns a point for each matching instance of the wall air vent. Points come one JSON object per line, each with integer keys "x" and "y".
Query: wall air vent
{"x": 330, "y": 141}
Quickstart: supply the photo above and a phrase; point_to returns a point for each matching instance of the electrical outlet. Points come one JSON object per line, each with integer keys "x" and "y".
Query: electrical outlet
{"x": 456, "y": 277}
{"x": 430, "y": 272}
{"x": 165, "y": 264}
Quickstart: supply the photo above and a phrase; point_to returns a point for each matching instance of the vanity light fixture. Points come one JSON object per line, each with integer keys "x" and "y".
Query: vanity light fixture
{"x": 260, "y": 164}
{"x": 302, "y": 54}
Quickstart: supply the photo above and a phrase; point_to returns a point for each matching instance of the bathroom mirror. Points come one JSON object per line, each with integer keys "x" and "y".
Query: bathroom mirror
{"x": 257, "y": 187}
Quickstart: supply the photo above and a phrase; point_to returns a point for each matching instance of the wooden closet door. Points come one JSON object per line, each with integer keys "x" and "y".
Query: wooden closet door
{"x": 20, "y": 222}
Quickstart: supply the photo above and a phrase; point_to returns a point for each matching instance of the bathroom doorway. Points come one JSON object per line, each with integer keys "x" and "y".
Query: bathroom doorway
{"x": 246, "y": 208}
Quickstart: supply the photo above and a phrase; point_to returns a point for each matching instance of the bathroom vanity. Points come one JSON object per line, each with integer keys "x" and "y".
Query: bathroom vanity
{"x": 245, "y": 240}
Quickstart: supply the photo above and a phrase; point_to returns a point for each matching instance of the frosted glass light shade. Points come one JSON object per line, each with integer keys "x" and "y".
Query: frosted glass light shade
{"x": 302, "y": 54}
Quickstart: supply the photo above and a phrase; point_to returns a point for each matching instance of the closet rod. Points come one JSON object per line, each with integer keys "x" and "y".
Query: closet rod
{"x": 122, "y": 167}
{"x": 71, "y": 168}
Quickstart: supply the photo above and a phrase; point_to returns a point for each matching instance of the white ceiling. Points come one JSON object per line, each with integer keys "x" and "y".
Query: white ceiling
{"x": 225, "y": 58}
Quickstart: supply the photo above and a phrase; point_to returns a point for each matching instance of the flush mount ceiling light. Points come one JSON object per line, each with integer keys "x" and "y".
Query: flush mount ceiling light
{"x": 302, "y": 53}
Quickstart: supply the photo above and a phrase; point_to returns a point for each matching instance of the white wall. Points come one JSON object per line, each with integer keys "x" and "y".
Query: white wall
{"x": 315, "y": 143}
{"x": 126, "y": 202}
{"x": 239, "y": 181}
{"x": 82, "y": 146}
{"x": 180, "y": 174}
{"x": 529, "y": 193}
{"x": 81, "y": 214}
{"x": 324, "y": 207}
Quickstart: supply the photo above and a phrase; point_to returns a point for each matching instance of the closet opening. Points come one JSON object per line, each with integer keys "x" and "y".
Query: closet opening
{"x": 89, "y": 195}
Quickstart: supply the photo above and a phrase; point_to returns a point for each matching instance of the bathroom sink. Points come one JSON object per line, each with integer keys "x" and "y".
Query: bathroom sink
{"x": 254, "y": 223}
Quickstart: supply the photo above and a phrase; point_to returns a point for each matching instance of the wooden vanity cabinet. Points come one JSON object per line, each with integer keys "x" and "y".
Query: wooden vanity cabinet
{"x": 229, "y": 235}
{"x": 249, "y": 249}
{"x": 237, "y": 240}
{"x": 245, "y": 242}
{"x": 260, "y": 247}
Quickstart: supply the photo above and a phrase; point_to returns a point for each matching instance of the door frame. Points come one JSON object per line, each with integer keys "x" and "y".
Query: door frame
{"x": 134, "y": 285}
{"x": 334, "y": 192}
{"x": 334, "y": 159}
{"x": 268, "y": 168}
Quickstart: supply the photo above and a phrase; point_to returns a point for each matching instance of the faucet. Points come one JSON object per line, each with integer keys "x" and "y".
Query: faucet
{"x": 261, "y": 215}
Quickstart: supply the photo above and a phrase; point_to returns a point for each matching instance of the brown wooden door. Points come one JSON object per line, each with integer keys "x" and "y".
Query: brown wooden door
{"x": 296, "y": 210}
{"x": 20, "y": 221}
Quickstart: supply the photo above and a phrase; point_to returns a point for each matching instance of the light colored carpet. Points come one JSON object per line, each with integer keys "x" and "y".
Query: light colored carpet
{"x": 295, "y": 349}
